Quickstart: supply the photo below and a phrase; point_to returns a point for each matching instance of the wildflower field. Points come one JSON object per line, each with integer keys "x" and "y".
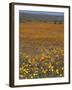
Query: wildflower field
{"x": 41, "y": 50}
{"x": 49, "y": 65}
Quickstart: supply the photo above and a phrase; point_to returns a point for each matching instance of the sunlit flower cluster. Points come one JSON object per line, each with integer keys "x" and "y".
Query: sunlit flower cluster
{"x": 42, "y": 65}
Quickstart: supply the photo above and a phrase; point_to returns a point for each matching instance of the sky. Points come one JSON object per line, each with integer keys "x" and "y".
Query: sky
{"x": 42, "y": 12}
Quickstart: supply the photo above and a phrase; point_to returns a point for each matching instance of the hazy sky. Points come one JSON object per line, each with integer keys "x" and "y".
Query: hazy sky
{"x": 42, "y": 12}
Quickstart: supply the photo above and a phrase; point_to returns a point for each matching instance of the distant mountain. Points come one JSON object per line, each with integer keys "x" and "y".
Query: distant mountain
{"x": 41, "y": 16}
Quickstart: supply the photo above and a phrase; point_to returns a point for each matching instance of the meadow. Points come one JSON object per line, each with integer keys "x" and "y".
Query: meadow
{"x": 41, "y": 50}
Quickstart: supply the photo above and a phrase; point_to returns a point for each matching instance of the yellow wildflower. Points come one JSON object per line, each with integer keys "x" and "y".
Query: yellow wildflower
{"x": 21, "y": 76}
